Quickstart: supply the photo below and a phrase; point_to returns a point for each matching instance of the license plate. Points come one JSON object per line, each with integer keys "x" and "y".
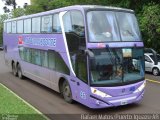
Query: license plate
{"x": 124, "y": 102}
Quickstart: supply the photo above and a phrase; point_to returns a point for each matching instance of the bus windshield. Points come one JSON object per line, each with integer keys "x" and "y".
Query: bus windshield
{"x": 116, "y": 66}
{"x": 112, "y": 26}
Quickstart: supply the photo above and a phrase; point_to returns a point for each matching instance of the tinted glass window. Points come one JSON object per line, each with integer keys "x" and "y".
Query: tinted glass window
{"x": 14, "y": 27}
{"x": 56, "y": 23}
{"x": 20, "y": 26}
{"x": 128, "y": 26}
{"x": 73, "y": 22}
{"x": 147, "y": 59}
{"x": 60, "y": 64}
{"x": 51, "y": 60}
{"x": 27, "y": 54}
{"x": 67, "y": 22}
{"x": 36, "y": 57}
{"x": 102, "y": 26}
{"x": 44, "y": 58}
{"x": 36, "y": 25}
{"x": 27, "y": 26}
{"x": 77, "y": 23}
{"x": 8, "y": 27}
{"x": 46, "y": 24}
{"x": 74, "y": 30}
{"x": 116, "y": 66}
{"x": 21, "y": 52}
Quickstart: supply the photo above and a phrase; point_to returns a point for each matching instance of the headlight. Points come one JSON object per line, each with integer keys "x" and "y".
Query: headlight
{"x": 140, "y": 87}
{"x": 99, "y": 93}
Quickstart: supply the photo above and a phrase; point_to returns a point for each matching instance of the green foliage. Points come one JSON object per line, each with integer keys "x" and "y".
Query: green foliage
{"x": 57, "y": 4}
{"x": 2, "y": 18}
{"x": 9, "y": 3}
{"x": 18, "y": 12}
{"x": 31, "y": 9}
{"x": 149, "y": 19}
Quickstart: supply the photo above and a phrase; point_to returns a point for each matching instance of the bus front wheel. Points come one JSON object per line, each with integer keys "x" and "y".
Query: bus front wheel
{"x": 66, "y": 92}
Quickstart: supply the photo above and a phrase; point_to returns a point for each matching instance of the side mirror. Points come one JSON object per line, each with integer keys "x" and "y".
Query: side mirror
{"x": 89, "y": 53}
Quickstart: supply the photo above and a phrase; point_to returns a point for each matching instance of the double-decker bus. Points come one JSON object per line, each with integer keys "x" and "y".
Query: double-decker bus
{"x": 90, "y": 54}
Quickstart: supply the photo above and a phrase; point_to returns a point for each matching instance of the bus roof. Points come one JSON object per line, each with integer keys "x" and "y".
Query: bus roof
{"x": 80, "y": 7}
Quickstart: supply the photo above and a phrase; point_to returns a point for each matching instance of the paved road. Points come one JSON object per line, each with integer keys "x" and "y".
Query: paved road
{"x": 50, "y": 102}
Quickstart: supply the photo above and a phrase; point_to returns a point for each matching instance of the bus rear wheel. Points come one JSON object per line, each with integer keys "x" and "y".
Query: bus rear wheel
{"x": 66, "y": 92}
{"x": 14, "y": 69}
{"x": 19, "y": 71}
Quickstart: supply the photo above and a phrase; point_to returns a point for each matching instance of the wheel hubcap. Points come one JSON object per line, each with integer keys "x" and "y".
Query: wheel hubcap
{"x": 67, "y": 91}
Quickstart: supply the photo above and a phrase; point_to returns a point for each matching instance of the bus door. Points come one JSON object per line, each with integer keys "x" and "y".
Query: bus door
{"x": 81, "y": 80}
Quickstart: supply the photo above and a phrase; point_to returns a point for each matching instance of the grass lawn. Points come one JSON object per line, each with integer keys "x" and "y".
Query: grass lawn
{"x": 12, "y": 106}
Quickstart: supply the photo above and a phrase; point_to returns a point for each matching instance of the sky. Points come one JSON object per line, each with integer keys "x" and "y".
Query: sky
{"x": 19, "y": 3}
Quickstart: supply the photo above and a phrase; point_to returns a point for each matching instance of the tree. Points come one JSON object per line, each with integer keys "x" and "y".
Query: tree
{"x": 2, "y": 18}
{"x": 6, "y": 10}
{"x": 25, "y": 5}
{"x": 31, "y": 9}
{"x": 150, "y": 25}
{"x": 9, "y": 3}
{"x": 18, "y": 12}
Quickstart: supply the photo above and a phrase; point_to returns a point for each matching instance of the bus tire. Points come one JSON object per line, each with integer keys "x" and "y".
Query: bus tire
{"x": 19, "y": 71}
{"x": 66, "y": 92}
{"x": 14, "y": 69}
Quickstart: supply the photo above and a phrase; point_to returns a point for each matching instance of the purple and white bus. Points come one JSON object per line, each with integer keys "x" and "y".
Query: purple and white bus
{"x": 90, "y": 54}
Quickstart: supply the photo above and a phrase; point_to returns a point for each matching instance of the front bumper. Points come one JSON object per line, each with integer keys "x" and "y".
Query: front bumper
{"x": 97, "y": 103}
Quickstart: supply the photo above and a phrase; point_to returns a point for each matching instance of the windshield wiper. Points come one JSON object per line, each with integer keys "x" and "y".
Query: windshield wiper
{"x": 114, "y": 61}
{"x": 130, "y": 33}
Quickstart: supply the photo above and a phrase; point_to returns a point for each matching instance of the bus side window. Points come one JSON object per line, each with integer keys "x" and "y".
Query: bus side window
{"x": 4, "y": 27}
{"x": 36, "y": 57}
{"x": 74, "y": 30}
{"x": 77, "y": 23}
{"x": 46, "y": 26}
{"x": 27, "y": 26}
{"x": 20, "y": 26}
{"x": 21, "y": 52}
{"x": 44, "y": 58}
{"x": 27, "y": 55}
{"x": 51, "y": 60}
{"x": 14, "y": 27}
{"x": 36, "y": 24}
{"x": 8, "y": 27}
{"x": 56, "y": 23}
